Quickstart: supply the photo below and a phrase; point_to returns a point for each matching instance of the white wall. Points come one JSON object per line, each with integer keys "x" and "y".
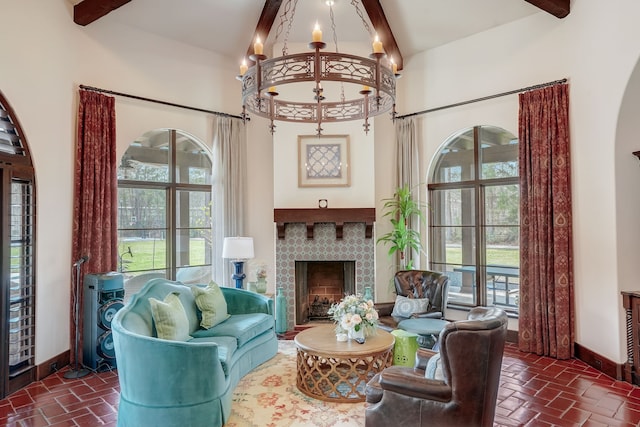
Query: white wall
{"x": 596, "y": 48}
{"x": 359, "y": 194}
{"x": 627, "y": 179}
{"x": 46, "y": 57}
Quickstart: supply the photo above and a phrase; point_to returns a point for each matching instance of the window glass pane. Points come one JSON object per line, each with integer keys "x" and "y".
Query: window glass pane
{"x": 141, "y": 210}
{"x": 453, "y": 207}
{"x": 192, "y": 163}
{"x": 502, "y": 206}
{"x": 194, "y": 209}
{"x": 500, "y": 251}
{"x": 502, "y": 231}
{"x": 458, "y": 243}
{"x": 21, "y": 302}
{"x": 462, "y": 283}
{"x": 193, "y": 247}
{"x": 503, "y": 285}
{"x": 502, "y": 245}
{"x": 456, "y": 162}
{"x": 147, "y": 158}
{"x": 22, "y": 233}
{"x": 142, "y": 253}
{"x": 498, "y": 153}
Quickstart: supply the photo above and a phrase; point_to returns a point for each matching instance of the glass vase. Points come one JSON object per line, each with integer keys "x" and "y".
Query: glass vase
{"x": 368, "y": 295}
{"x": 261, "y": 286}
{"x": 356, "y": 335}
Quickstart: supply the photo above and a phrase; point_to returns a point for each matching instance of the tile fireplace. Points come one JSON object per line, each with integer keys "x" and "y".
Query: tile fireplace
{"x": 342, "y": 250}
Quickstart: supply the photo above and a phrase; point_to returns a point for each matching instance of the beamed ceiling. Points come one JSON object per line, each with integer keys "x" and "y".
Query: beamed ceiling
{"x": 411, "y": 20}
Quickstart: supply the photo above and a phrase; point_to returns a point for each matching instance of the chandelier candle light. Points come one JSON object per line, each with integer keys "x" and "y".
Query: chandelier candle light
{"x": 376, "y": 75}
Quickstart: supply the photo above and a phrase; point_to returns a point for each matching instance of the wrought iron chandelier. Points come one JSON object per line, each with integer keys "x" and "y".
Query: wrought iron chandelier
{"x": 374, "y": 76}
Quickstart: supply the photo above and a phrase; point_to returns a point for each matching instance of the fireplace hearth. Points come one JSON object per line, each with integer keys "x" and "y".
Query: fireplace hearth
{"x": 319, "y": 284}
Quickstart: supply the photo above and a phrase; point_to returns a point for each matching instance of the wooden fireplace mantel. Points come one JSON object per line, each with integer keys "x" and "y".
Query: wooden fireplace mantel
{"x": 339, "y": 216}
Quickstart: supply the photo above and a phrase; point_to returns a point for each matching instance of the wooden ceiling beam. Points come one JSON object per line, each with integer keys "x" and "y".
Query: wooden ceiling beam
{"x": 263, "y": 28}
{"x": 558, "y": 8}
{"x": 87, "y": 11}
{"x": 381, "y": 25}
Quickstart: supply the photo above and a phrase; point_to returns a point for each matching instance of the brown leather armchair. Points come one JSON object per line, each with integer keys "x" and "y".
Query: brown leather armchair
{"x": 416, "y": 284}
{"x": 471, "y": 358}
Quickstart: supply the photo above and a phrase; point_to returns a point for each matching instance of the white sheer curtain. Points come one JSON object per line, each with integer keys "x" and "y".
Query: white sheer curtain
{"x": 408, "y": 169}
{"x": 229, "y": 189}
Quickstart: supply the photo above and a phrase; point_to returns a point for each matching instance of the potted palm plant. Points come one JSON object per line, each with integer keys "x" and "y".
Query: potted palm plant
{"x": 401, "y": 210}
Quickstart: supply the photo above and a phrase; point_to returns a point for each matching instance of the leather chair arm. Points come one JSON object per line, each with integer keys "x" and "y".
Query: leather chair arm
{"x": 406, "y": 381}
{"x": 422, "y": 358}
{"x": 384, "y": 308}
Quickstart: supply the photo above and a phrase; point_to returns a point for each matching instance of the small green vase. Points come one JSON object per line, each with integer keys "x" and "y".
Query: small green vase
{"x": 261, "y": 286}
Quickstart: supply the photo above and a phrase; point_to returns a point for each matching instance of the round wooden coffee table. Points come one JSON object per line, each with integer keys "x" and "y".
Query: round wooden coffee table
{"x": 339, "y": 371}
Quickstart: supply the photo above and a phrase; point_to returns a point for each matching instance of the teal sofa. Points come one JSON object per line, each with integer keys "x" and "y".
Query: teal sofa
{"x": 175, "y": 383}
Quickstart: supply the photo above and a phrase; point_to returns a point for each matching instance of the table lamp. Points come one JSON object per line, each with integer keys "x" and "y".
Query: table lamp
{"x": 238, "y": 250}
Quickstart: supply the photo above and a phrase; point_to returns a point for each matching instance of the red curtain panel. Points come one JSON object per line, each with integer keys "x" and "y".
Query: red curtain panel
{"x": 546, "y": 322}
{"x": 95, "y": 194}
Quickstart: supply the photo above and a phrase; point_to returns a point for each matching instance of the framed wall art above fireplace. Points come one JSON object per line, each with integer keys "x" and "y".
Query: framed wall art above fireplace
{"x": 323, "y": 161}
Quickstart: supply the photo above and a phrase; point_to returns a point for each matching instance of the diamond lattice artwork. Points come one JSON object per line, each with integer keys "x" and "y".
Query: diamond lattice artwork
{"x": 324, "y": 161}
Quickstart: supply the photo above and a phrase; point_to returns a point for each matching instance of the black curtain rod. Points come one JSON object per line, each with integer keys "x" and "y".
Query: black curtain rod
{"x": 171, "y": 104}
{"x": 498, "y": 95}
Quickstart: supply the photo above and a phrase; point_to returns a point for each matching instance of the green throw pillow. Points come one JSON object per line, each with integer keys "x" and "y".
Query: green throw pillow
{"x": 170, "y": 318}
{"x": 405, "y": 307}
{"x": 211, "y": 303}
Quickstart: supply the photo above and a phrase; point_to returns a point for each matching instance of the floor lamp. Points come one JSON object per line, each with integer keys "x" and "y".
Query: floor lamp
{"x": 77, "y": 371}
{"x": 238, "y": 250}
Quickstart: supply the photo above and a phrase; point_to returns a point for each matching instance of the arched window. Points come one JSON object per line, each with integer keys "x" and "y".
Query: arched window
{"x": 17, "y": 264}
{"x": 164, "y": 209}
{"x": 474, "y": 217}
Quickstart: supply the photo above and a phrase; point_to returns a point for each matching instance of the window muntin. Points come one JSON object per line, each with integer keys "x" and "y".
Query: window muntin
{"x": 164, "y": 211}
{"x": 474, "y": 218}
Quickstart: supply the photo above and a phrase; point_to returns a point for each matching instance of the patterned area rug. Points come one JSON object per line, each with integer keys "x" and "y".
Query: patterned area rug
{"x": 268, "y": 397}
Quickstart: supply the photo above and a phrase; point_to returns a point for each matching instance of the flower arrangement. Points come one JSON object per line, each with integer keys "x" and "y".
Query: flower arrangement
{"x": 353, "y": 313}
{"x": 257, "y": 270}
{"x": 261, "y": 271}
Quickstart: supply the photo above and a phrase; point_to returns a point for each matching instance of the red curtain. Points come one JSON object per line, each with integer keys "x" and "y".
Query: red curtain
{"x": 95, "y": 195}
{"x": 546, "y": 321}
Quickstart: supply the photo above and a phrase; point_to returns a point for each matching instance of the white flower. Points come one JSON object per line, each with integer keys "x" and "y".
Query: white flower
{"x": 354, "y": 313}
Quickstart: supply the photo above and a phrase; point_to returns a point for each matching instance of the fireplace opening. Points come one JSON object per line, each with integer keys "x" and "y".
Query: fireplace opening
{"x": 319, "y": 284}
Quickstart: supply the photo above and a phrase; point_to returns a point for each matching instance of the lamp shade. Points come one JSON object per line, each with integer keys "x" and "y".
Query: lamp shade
{"x": 237, "y": 248}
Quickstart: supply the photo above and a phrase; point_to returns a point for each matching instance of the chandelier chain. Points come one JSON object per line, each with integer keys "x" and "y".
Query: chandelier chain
{"x": 360, "y": 14}
{"x": 286, "y": 16}
{"x": 333, "y": 27}
{"x": 335, "y": 41}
